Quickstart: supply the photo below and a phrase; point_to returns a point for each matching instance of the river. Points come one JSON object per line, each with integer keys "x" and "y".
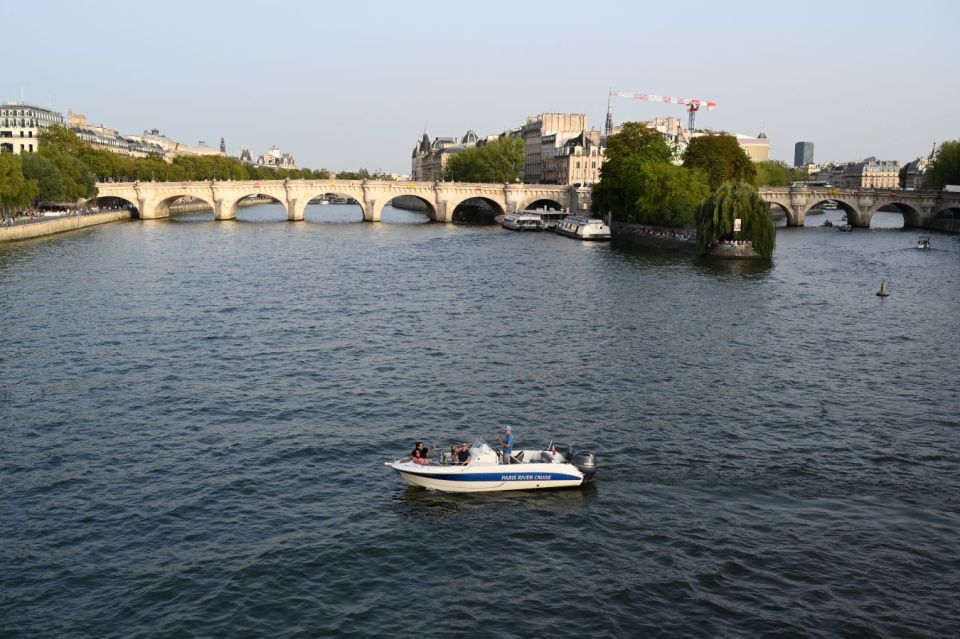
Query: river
{"x": 194, "y": 417}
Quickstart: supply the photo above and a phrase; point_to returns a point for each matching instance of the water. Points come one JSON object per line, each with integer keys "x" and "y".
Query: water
{"x": 194, "y": 418}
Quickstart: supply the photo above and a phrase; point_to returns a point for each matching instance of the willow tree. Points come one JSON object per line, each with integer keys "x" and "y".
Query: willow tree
{"x": 736, "y": 201}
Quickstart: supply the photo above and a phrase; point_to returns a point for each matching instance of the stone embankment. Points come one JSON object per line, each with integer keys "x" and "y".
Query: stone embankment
{"x": 72, "y": 222}
{"x": 673, "y": 240}
{"x": 60, "y": 225}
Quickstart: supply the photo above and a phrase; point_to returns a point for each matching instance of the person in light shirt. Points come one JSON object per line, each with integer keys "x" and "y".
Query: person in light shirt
{"x": 506, "y": 441}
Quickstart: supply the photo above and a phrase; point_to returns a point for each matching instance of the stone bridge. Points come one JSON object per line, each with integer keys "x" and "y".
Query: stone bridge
{"x": 924, "y": 209}
{"x": 153, "y": 199}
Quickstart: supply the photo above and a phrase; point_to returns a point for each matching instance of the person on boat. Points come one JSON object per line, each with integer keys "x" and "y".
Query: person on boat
{"x": 454, "y": 451}
{"x": 419, "y": 454}
{"x": 463, "y": 456}
{"x": 506, "y": 441}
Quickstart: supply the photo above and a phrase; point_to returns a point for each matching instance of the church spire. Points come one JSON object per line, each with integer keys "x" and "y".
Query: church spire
{"x": 608, "y": 126}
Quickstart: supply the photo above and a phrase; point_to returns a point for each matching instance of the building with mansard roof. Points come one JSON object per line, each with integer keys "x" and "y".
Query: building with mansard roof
{"x": 20, "y": 126}
{"x": 429, "y": 159}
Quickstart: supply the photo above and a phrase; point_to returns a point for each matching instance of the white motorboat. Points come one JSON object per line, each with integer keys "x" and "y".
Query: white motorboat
{"x": 486, "y": 470}
{"x": 523, "y": 221}
{"x": 583, "y": 228}
{"x": 924, "y": 243}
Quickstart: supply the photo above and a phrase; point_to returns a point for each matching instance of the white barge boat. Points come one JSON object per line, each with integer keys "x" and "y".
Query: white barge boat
{"x": 523, "y": 221}
{"x": 583, "y": 228}
{"x": 486, "y": 470}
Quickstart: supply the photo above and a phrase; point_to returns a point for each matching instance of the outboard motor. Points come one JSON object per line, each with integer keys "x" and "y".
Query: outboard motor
{"x": 586, "y": 463}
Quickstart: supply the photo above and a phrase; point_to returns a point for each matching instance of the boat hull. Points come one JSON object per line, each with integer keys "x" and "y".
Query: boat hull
{"x": 489, "y": 477}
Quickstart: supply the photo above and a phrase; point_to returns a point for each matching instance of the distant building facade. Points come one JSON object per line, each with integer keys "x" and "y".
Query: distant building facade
{"x": 429, "y": 159}
{"x": 542, "y": 135}
{"x": 802, "y": 154}
{"x": 913, "y": 173}
{"x": 171, "y": 149}
{"x": 20, "y": 126}
{"x": 276, "y": 159}
{"x": 576, "y": 161}
{"x": 101, "y": 137}
{"x": 870, "y": 173}
{"x": 756, "y": 148}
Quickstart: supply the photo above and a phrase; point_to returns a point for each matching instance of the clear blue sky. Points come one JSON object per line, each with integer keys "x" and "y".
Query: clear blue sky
{"x": 352, "y": 84}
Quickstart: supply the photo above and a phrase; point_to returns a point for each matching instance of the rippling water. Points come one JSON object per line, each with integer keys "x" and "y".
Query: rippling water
{"x": 194, "y": 418}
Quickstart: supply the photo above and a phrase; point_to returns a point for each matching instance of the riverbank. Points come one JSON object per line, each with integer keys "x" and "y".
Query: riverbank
{"x": 60, "y": 225}
{"x": 72, "y": 222}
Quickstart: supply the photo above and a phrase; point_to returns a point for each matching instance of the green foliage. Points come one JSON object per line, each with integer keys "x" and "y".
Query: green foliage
{"x": 776, "y": 173}
{"x": 669, "y": 194}
{"x": 46, "y": 175}
{"x": 639, "y": 183}
{"x": 15, "y": 189}
{"x": 944, "y": 168}
{"x": 64, "y": 149}
{"x": 361, "y": 174}
{"x": 721, "y": 157}
{"x": 620, "y": 185}
{"x": 81, "y": 165}
{"x": 498, "y": 161}
{"x": 716, "y": 215}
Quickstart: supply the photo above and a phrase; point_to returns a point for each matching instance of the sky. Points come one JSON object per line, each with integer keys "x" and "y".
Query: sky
{"x": 347, "y": 85}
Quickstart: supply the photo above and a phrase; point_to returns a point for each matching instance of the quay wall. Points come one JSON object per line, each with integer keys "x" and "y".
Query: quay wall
{"x": 409, "y": 203}
{"x": 59, "y": 225}
{"x": 642, "y": 236}
{"x": 192, "y": 207}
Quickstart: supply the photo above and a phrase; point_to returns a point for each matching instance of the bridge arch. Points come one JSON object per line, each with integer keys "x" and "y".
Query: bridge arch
{"x": 429, "y": 205}
{"x": 780, "y": 207}
{"x": 161, "y": 207}
{"x": 911, "y": 216}
{"x": 113, "y": 201}
{"x": 854, "y": 216}
{"x": 475, "y": 208}
{"x": 328, "y": 192}
{"x": 551, "y": 204}
{"x": 227, "y": 209}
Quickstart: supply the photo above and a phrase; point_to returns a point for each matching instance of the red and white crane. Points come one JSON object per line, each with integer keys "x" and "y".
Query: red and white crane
{"x": 693, "y": 104}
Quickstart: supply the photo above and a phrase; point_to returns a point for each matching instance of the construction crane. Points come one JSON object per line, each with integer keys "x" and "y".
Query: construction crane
{"x": 693, "y": 104}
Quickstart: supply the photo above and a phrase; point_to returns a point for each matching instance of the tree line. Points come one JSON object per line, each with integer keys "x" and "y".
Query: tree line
{"x": 66, "y": 169}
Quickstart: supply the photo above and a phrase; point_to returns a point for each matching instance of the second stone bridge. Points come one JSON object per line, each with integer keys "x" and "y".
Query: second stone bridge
{"x": 153, "y": 199}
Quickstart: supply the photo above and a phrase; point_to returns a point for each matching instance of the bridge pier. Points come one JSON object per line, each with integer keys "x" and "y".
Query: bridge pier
{"x": 224, "y": 210}
{"x": 296, "y": 209}
{"x": 372, "y": 210}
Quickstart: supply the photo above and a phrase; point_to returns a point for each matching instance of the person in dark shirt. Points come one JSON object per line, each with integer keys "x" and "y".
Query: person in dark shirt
{"x": 419, "y": 454}
{"x": 464, "y": 455}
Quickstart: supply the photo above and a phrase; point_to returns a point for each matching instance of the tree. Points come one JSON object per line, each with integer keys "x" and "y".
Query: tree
{"x": 944, "y": 168}
{"x": 669, "y": 194}
{"x": 46, "y": 175}
{"x": 776, "y": 173}
{"x": 721, "y": 157}
{"x": 15, "y": 189}
{"x": 736, "y": 200}
{"x": 499, "y": 161}
{"x": 63, "y": 148}
{"x": 621, "y": 184}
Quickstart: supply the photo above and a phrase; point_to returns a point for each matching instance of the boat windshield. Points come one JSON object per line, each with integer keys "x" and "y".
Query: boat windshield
{"x": 480, "y": 444}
